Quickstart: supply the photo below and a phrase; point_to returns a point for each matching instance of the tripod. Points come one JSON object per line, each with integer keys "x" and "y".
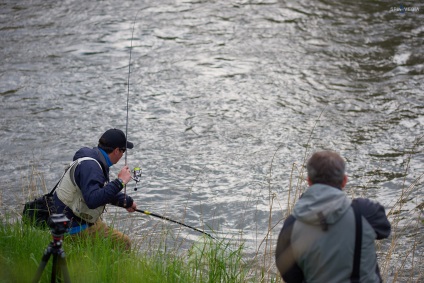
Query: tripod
{"x": 59, "y": 260}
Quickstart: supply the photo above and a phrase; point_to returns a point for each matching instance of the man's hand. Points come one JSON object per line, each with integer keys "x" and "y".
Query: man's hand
{"x": 132, "y": 208}
{"x": 125, "y": 174}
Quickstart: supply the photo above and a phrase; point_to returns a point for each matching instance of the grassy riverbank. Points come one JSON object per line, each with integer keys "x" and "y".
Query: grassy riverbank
{"x": 22, "y": 247}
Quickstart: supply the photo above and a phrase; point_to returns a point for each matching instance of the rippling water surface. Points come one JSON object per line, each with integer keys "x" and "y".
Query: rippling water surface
{"x": 226, "y": 100}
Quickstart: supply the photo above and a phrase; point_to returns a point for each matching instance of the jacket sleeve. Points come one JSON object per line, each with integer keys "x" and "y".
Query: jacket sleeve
{"x": 284, "y": 257}
{"x": 119, "y": 200}
{"x": 91, "y": 180}
{"x": 375, "y": 214}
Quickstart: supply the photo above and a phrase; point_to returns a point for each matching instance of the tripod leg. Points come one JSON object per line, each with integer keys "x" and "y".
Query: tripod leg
{"x": 64, "y": 268}
{"x": 43, "y": 263}
{"x": 54, "y": 269}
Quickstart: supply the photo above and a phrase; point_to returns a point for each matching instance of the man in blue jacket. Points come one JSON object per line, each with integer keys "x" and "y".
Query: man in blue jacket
{"x": 321, "y": 241}
{"x": 85, "y": 188}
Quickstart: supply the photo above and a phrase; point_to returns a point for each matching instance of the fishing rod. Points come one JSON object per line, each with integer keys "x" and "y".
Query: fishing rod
{"x": 128, "y": 90}
{"x": 168, "y": 219}
{"x": 128, "y": 100}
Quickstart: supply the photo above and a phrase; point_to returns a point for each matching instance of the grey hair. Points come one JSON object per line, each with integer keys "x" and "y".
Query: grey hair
{"x": 326, "y": 167}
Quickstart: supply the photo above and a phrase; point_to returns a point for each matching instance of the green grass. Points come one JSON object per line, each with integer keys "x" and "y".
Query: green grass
{"x": 96, "y": 260}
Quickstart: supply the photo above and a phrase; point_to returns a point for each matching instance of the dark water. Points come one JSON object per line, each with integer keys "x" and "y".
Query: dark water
{"x": 226, "y": 100}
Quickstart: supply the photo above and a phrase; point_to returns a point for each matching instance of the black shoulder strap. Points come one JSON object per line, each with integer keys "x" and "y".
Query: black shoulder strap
{"x": 358, "y": 243}
{"x": 55, "y": 186}
{"x": 63, "y": 175}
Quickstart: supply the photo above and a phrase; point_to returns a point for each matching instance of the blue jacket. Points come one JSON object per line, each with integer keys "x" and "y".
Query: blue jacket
{"x": 316, "y": 243}
{"x": 97, "y": 190}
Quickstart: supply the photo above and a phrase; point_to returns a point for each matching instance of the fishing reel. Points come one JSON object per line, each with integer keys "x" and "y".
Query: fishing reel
{"x": 136, "y": 176}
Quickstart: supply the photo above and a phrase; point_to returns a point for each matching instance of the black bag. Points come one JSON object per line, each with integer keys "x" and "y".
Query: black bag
{"x": 38, "y": 211}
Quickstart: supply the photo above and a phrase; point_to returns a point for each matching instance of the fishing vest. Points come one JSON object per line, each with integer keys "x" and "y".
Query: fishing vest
{"x": 70, "y": 194}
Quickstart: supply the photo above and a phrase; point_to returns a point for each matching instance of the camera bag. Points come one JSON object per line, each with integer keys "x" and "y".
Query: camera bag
{"x": 38, "y": 211}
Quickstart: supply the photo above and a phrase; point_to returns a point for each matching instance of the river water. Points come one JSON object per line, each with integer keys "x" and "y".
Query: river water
{"x": 226, "y": 99}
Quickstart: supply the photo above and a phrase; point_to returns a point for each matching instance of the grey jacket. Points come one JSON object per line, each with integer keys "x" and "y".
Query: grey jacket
{"x": 316, "y": 243}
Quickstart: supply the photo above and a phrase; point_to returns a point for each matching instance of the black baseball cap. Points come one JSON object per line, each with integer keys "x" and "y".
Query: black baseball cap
{"x": 114, "y": 138}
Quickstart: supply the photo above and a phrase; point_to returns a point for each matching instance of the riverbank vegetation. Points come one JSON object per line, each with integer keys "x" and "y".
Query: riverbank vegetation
{"x": 96, "y": 260}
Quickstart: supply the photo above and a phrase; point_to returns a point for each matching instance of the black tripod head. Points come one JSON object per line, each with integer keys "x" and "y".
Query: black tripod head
{"x": 59, "y": 224}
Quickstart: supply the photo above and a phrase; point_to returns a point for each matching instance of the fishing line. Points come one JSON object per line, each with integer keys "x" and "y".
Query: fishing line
{"x": 128, "y": 89}
{"x": 128, "y": 101}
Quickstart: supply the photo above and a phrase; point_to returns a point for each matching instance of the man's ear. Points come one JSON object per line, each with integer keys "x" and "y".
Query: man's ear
{"x": 114, "y": 153}
{"x": 344, "y": 181}
{"x": 309, "y": 181}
